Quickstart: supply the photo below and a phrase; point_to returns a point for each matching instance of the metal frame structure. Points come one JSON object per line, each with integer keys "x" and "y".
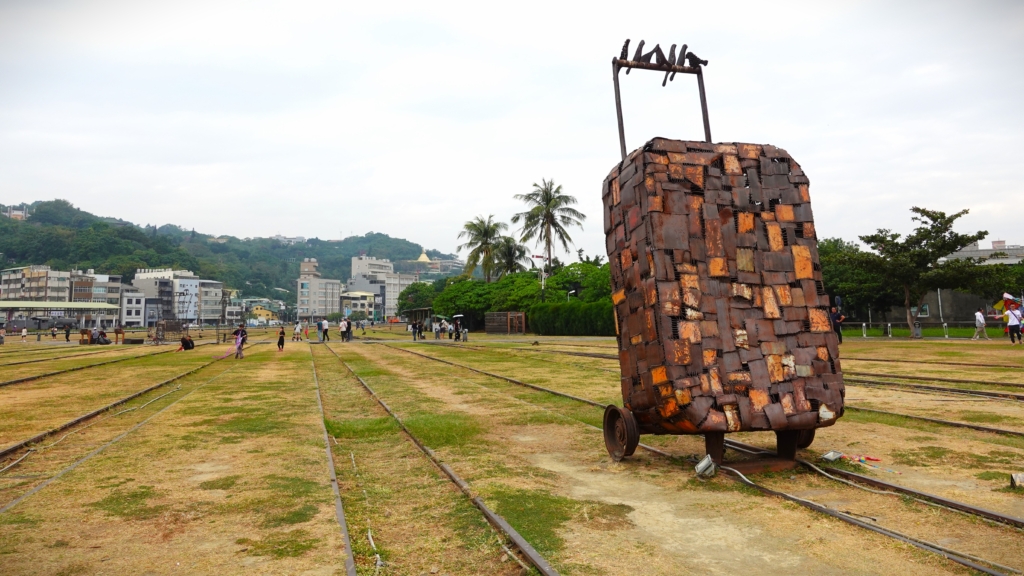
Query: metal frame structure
{"x": 671, "y": 66}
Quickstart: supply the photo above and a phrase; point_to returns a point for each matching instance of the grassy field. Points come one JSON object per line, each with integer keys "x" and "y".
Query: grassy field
{"x": 223, "y": 471}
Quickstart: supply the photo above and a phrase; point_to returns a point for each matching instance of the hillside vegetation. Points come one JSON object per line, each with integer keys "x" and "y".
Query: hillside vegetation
{"x": 64, "y": 237}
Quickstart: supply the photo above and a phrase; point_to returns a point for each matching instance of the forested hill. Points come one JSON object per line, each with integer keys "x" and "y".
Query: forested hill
{"x": 64, "y": 237}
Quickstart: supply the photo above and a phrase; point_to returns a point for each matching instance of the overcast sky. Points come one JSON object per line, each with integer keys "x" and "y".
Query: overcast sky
{"x": 338, "y": 118}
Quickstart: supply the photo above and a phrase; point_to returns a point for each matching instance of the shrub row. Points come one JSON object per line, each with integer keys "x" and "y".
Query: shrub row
{"x": 572, "y": 319}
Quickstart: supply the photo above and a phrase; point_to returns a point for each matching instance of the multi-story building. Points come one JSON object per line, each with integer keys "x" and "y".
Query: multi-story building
{"x": 159, "y": 301}
{"x": 316, "y": 297}
{"x": 366, "y": 302}
{"x": 1000, "y": 253}
{"x": 289, "y": 240}
{"x": 133, "y": 307}
{"x": 89, "y": 286}
{"x": 35, "y": 283}
{"x": 378, "y": 277}
{"x": 192, "y": 299}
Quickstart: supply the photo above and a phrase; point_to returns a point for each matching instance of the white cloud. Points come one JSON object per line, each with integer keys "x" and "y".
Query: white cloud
{"x": 327, "y": 118}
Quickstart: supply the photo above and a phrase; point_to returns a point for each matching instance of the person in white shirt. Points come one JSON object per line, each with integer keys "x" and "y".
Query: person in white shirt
{"x": 1013, "y": 322}
{"x": 297, "y": 336}
{"x": 979, "y": 325}
{"x": 326, "y": 325}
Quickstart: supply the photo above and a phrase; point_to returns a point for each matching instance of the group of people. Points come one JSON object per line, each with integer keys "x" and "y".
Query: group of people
{"x": 24, "y": 334}
{"x": 323, "y": 331}
{"x": 1014, "y": 317}
{"x": 454, "y": 330}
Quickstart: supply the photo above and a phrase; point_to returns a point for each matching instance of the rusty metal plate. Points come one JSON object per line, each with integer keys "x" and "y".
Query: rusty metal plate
{"x": 720, "y": 325}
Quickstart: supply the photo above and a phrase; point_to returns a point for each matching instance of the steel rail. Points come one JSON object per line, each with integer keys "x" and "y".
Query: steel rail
{"x": 97, "y": 451}
{"x": 940, "y": 362}
{"x": 960, "y": 506}
{"x": 77, "y": 368}
{"x": 65, "y": 357}
{"x": 22, "y": 444}
{"x": 936, "y": 379}
{"x": 339, "y": 509}
{"x": 531, "y": 554}
{"x": 936, "y": 389}
{"x": 938, "y": 421}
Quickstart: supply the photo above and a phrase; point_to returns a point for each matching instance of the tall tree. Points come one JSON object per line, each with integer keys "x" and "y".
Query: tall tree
{"x": 846, "y": 272}
{"x": 509, "y": 256}
{"x": 917, "y": 263}
{"x": 481, "y": 237}
{"x": 550, "y": 212}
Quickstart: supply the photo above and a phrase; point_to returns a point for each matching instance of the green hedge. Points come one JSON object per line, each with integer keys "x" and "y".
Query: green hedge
{"x": 572, "y": 319}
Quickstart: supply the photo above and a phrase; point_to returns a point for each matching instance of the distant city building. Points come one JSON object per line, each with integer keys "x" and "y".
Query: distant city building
{"x": 37, "y": 283}
{"x": 133, "y": 307}
{"x": 15, "y": 212}
{"x": 1014, "y": 253}
{"x": 379, "y": 277}
{"x": 316, "y": 297}
{"x": 366, "y": 302}
{"x": 191, "y": 299}
{"x": 89, "y": 286}
{"x": 289, "y": 240}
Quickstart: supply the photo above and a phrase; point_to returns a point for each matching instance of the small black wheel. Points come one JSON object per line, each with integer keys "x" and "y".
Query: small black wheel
{"x": 806, "y": 438}
{"x": 621, "y": 434}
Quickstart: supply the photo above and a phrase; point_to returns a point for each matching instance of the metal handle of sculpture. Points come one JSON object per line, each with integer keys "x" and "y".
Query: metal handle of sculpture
{"x": 670, "y": 65}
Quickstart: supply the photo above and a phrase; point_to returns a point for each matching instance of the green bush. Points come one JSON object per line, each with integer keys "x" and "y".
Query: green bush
{"x": 572, "y": 319}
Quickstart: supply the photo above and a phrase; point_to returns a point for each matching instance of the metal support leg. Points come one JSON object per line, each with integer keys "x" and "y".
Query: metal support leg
{"x": 785, "y": 443}
{"x": 618, "y": 110}
{"x": 703, "y": 106}
{"x": 714, "y": 446}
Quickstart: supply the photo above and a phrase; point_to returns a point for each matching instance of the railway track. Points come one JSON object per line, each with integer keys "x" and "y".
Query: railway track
{"x": 77, "y": 368}
{"x": 113, "y": 441}
{"x": 935, "y": 379}
{"x": 5, "y": 452}
{"x": 493, "y": 518}
{"x": 339, "y": 509}
{"x": 967, "y": 560}
{"x": 938, "y": 362}
{"x": 59, "y": 358}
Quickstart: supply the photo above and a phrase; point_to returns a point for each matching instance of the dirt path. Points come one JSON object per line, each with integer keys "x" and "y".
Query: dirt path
{"x": 670, "y": 524}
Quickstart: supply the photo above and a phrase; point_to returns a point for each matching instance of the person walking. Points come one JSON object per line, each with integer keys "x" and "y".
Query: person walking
{"x": 979, "y": 325}
{"x": 837, "y": 323}
{"x": 67, "y": 333}
{"x": 326, "y": 326}
{"x": 297, "y": 335}
{"x": 412, "y": 327}
{"x": 1014, "y": 320}
{"x": 53, "y": 332}
{"x": 280, "y": 340}
{"x": 437, "y": 330}
{"x": 240, "y": 337}
{"x": 348, "y": 330}
{"x": 24, "y": 335}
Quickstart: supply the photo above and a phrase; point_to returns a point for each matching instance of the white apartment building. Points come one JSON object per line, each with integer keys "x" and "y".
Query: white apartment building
{"x": 193, "y": 299}
{"x": 369, "y": 274}
{"x": 316, "y": 297}
{"x": 133, "y": 306}
{"x": 36, "y": 283}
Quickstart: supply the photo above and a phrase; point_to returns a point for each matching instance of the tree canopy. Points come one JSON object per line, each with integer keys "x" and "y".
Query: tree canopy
{"x": 916, "y": 263}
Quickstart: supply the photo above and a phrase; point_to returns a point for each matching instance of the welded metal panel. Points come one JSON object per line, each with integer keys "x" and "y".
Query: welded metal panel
{"x": 722, "y": 326}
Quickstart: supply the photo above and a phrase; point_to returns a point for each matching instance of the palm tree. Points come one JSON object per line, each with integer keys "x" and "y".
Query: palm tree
{"x": 509, "y": 256}
{"x": 481, "y": 236}
{"x": 549, "y": 214}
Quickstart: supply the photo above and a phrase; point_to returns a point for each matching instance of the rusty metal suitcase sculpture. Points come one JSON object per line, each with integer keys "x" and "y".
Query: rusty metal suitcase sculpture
{"x": 723, "y": 324}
